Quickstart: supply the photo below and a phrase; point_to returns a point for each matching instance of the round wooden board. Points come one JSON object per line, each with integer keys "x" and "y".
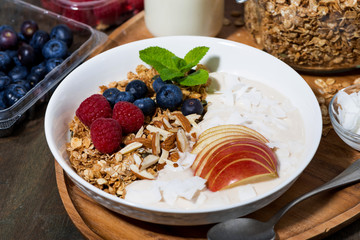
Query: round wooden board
{"x": 314, "y": 218}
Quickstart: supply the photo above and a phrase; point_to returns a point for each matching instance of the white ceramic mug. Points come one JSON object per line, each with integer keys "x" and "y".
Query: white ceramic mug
{"x": 184, "y": 17}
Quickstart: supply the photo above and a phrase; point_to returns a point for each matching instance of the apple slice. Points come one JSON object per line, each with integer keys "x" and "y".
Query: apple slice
{"x": 217, "y": 132}
{"x": 239, "y": 149}
{"x": 241, "y": 171}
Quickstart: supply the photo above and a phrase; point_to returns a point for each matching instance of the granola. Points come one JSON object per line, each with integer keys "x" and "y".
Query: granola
{"x": 143, "y": 153}
{"x": 307, "y": 34}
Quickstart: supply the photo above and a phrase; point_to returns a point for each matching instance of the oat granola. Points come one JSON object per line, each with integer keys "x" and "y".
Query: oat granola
{"x": 144, "y": 153}
{"x": 307, "y": 34}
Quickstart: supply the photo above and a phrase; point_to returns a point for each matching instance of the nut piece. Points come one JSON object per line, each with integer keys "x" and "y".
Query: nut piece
{"x": 182, "y": 141}
{"x": 184, "y": 122}
{"x": 141, "y": 174}
{"x": 131, "y": 147}
{"x": 144, "y": 141}
{"x": 155, "y": 144}
{"x": 169, "y": 143}
{"x": 148, "y": 161}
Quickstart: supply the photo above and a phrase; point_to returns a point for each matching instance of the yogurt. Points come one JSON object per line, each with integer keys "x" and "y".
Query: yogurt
{"x": 184, "y": 17}
{"x": 231, "y": 100}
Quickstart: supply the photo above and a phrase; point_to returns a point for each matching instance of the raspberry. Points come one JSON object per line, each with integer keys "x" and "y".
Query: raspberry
{"x": 109, "y": 13}
{"x": 92, "y": 108}
{"x": 106, "y": 135}
{"x": 130, "y": 117}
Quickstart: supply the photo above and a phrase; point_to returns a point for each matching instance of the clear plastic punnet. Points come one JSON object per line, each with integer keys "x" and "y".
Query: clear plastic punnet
{"x": 86, "y": 39}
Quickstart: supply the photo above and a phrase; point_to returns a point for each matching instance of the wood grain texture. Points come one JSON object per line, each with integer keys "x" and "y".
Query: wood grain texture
{"x": 315, "y": 218}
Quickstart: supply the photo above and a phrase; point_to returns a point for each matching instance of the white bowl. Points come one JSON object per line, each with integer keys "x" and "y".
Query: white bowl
{"x": 224, "y": 55}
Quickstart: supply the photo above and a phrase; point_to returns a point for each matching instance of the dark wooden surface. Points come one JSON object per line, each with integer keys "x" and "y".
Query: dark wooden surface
{"x": 30, "y": 206}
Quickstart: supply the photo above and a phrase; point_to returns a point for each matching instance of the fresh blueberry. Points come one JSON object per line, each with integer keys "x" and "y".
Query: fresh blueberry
{"x": 33, "y": 79}
{"x": 18, "y": 72}
{"x": 39, "y": 39}
{"x": 13, "y": 93}
{"x": 147, "y": 105}
{"x": 191, "y": 106}
{"x": 24, "y": 83}
{"x": 4, "y": 82}
{"x": 5, "y": 61}
{"x": 53, "y": 63}
{"x": 40, "y": 70}
{"x": 137, "y": 88}
{"x": 125, "y": 97}
{"x": 169, "y": 97}
{"x": 2, "y": 27}
{"x": 158, "y": 83}
{"x": 54, "y": 48}
{"x": 26, "y": 55}
{"x": 2, "y": 102}
{"x": 8, "y": 39}
{"x": 111, "y": 95}
{"x": 28, "y": 28}
{"x": 63, "y": 33}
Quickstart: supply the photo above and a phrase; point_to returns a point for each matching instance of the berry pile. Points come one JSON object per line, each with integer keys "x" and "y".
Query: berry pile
{"x": 27, "y": 56}
{"x": 96, "y": 13}
{"x": 128, "y": 108}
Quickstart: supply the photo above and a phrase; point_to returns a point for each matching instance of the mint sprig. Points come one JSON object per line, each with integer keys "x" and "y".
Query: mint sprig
{"x": 171, "y": 67}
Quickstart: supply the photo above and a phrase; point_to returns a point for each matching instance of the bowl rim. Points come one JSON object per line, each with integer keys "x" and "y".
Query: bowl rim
{"x": 300, "y": 168}
{"x": 336, "y": 124}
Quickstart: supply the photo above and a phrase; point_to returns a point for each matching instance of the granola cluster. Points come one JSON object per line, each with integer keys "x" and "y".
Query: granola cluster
{"x": 307, "y": 34}
{"x": 157, "y": 143}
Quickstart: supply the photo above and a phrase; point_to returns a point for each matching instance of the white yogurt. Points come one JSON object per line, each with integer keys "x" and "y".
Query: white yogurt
{"x": 349, "y": 112}
{"x": 184, "y": 17}
{"x": 231, "y": 100}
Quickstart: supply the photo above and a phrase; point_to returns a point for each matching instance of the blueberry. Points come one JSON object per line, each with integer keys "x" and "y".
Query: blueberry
{"x": 40, "y": 70}
{"x": 5, "y": 61}
{"x": 33, "y": 79}
{"x": 54, "y": 48}
{"x": 2, "y": 27}
{"x": 169, "y": 96}
{"x": 24, "y": 83}
{"x": 39, "y": 39}
{"x": 137, "y": 88}
{"x": 2, "y": 102}
{"x": 147, "y": 105}
{"x": 26, "y": 55}
{"x": 125, "y": 97}
{"x": 111, "y": 95}
{"x": 63, "y": 33}
{"x": 13, "y": 93}
{"x": 18, "y": 72}
{"x": 4, "y": 82}
{"x": 28, "y": 28}
{"x": 191, "y": 106}
{"x": 53, "y": 63}
{"x": 8, "y": 39}
{"x": 158, "y": 83}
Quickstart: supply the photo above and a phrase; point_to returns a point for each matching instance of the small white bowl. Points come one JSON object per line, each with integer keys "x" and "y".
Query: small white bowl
{"x": 225, "y": 56}
{"x": 350, "y": 138}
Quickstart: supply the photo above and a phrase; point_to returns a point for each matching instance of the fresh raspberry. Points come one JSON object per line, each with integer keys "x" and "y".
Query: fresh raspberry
{"x": 130, "y": 117}
{"x": 81, "y": 15}
{"x": 137, "y": 4}
{"x": 92, "y": 108}
{"x": 106, "y": 135}
{"x": 109, "y": 13}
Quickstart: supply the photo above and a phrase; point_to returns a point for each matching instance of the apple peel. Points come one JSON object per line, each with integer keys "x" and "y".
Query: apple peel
{"x": 231, "y": 155}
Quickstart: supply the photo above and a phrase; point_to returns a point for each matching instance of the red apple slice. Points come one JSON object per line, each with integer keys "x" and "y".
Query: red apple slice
{"x": 239, "y": 149}
{"x": 217, "y": 132}
{"x": 215, "y": 144}
{"x": 241, "y": 171}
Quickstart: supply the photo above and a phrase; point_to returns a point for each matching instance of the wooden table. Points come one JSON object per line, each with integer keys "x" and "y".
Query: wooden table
{"x": 30, "y": 206}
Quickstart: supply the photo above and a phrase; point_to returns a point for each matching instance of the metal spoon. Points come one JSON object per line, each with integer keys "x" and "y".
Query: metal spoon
{"x": 251, "y": 229}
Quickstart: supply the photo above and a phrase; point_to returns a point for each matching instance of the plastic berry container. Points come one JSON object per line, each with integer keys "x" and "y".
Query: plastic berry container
{"x": 96, "y": 13}
{"x": 85, "y": 40}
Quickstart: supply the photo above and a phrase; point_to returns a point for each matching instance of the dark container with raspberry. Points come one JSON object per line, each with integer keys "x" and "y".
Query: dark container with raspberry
{"x": 19, "y": 56}
{"x": 96, "y": 13}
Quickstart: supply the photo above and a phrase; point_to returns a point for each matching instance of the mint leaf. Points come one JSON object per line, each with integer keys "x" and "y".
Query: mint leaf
{"x": 197, "y": 78}
{"x": 194, "y": 56}
{"x": 171, "y": 67}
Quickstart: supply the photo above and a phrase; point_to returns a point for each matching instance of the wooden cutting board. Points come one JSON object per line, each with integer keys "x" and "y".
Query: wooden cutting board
{"x": 314, "y": 218}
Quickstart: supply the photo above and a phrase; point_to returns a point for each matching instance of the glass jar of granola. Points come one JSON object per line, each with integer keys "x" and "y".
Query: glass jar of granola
{"x": 309, "y": 35}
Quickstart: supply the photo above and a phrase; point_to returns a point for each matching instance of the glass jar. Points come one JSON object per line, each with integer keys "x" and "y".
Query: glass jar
{"x": 309, "y": 35}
